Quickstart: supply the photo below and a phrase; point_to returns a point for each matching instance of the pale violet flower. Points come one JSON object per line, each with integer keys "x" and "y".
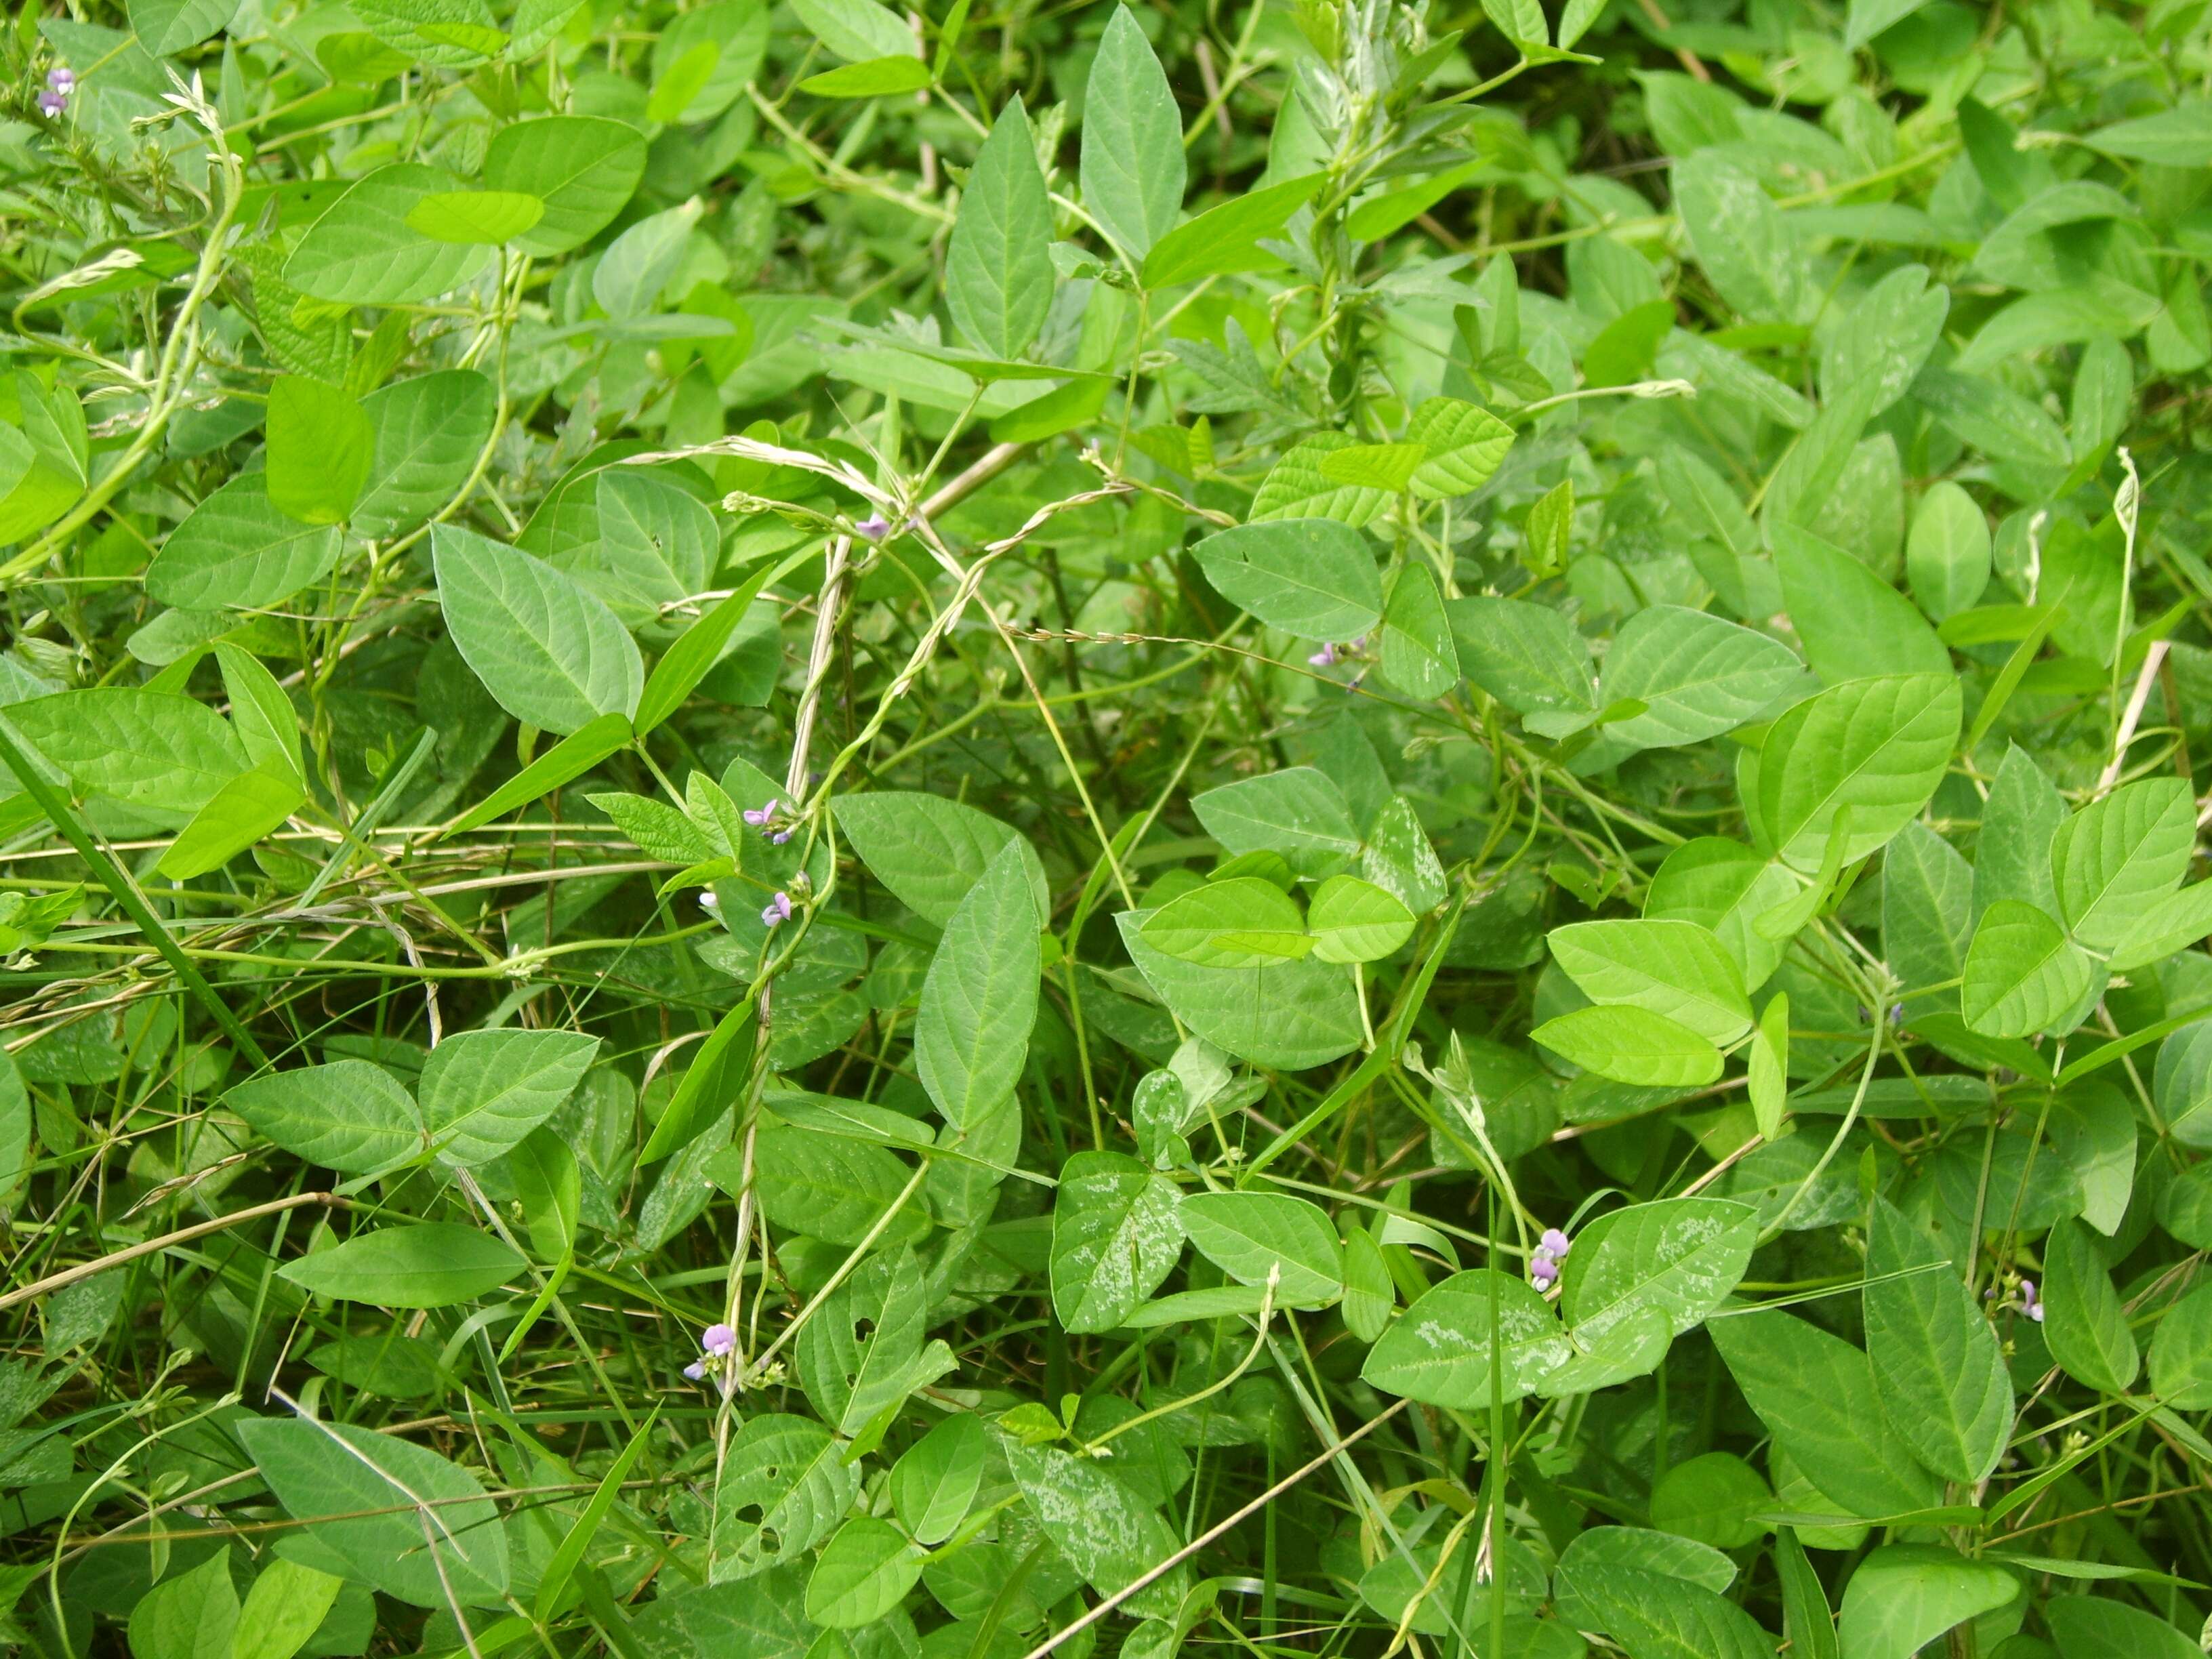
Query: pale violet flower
{"x": 777, "y": 909}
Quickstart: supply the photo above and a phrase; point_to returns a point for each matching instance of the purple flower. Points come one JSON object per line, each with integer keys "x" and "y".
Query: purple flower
{"x": 720, "y": 1341}
{"x": 51, "y": 105}
{"x": 777, "y": 909}
{"x": 696, "y": 1371}
{"x": 778, "y": 837}
{"x": 2030, "y": 1302}
{"x": 1324, "y": 658}
{"x": 1553, "y": 1243}
{"x": 758, "y": 817}
{"x": 62, "y": 80}
{"x": 1542, "y": 1271}
{"x": 875, "y": 528}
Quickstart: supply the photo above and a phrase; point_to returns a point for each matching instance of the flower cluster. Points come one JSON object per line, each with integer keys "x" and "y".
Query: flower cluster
{"x": 1544, "y": 1261}
{"x": 53, "y": 101}
{"x": 763, "y": 818}
{"x": 718, "y": 1343}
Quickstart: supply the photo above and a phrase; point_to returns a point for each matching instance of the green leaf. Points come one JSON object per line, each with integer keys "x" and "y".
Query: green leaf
{"x": 1313, "y": 578}
{"x": 552, "y": 654}
{"x": 1854, "y": 625}
{"x": 163, "y": 754}
{"x": 2181, "y": 1353}
{"x": 1696, "y": 675}
{"x": 1715, "y": 1499}
{"x": 1818, "y": 1394}
{"x": 1116, "y": 1236}
{"x": 192, "y": 1615}
{"x": 2177, "y": 137}
{"x": 934, "y": 1482}
{"x": 1878, "y": 746}
{"x": 1869, "y": 18}
{"x": 2182, "y": 1084}
{"x": 285, "y": 1607}
{"x": 856, "y": 30}
{"x": 876, "y": 77}
{"x": 2097, "y": 1627}
{"x": 1942, "y": 1380}
{"x": 427, "y": 434}
{"x": 998, "y": 267}
{"x": 483, "y": 1091}
{"x": 862, "y": 1574}
{"x": 824, "y": 1186}
{"x": 583, "y": 169}
{"x": 1299, "y": 813}
{"x": 1418, "y": 656}
{"x": 2118, "y": 860}
{"x": 1903, "y": 1596}
{"x": 2083, "y": 1321}
{"x": 1722, "y": 884}
{"x": 237, "y": 549}
{"x": 639, "y": 264}
{"x": 1948, "y": 554}
{"x": 726, "y": 41}
{"x": 784, "y": 1484}
{"x": 1656, "y": 1615}
{"x": 566, "y": 760}
{"x": 1355, "y": 921}
{"x": 1289, "y": 1015}
{"x": 979, "y": 998}
{"x": 1132, "y": 169}
{"x": 348, "y": 1115}
{"x": 2012, "y": 856}
{"x": 1677, "y": 968}
{"x": 1769, "y": 1069}
{"x": 866, "y": 1353}
{"x": 363, "y": 251}
{"x": 1631, "y": 1044}
{"x": 929, "y": 851}
{"x": 1439, "y": 1351}
{"x": 432, "y": 1264}
{"x": 1682, "y": 1256}
{"x": 2023, "y": 975}
{"x": 404, "y": 1520}
{"x": 1107, "y": 1532}
{"x": 1222, "y": 240}
{"x": 1927, "y": 907}
{"x": 166, "y": 27}
{"x": 2175, "y": 925}
{"x": 240, "y": 814}
{"x": 1239, "y": 922}
{"x": 1526, "y": 655}
{"x": 1749, "y": 251}
{"x": 1258, "y": 1237}
{"x": 1993, "y": 418}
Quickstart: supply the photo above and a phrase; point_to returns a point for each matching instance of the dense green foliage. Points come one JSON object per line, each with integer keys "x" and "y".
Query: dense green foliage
{"x": 1307, "y": 827}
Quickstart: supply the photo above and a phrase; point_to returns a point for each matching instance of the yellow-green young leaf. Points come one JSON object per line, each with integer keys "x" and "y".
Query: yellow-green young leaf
{"x": 877, "y": 77}
{"x": 1769, "y": 1066}
{"x": 1242, "y": 922}
{"x": 282, "y": 1609}
{"x": 1374, "y": 466}
{"x": 583, "y": 167}
{"x": 1355, "y": 921}
{"x": 1380, "y": 215}
{"x": 934, "y": 1483}
{"x": 363, "y": 252}
{"x": 2023, "y": 975}
{"x": 685, "y": 79}
{"x": 1878, "y": 746}
{"x": 1546, "y": 538}
{"x": 1677, "y": 968}
{"x": 242, "y": 811}
{"x": 320, "y": 445}
{"x": 1467, "y": 444}
{"x": 485, "y": 216}
{"x": 1631, "y": 1045}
